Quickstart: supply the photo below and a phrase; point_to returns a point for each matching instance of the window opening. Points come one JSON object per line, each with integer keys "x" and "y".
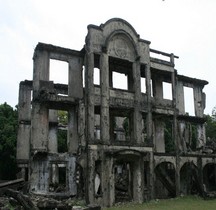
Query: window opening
{"x": 167, "y": 90}
{"x": 97, "y": 130}
{"x": 120, "y": 128}
{"x": 189, "y": 101}
{"x": 96, "y": 76}
{"x": 123, "y": 182}
{"x": 58, "y": 71}
{"x": 168, "y": 135}
{"x": 58, "y": 127}
{"x": 58, "y": 177}
{"x": 143, "y": 85}
{"x": 120, "y": 81}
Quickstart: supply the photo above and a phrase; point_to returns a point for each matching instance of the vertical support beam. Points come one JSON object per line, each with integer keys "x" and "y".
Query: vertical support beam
{"x": 90, "y": 95}
{"x": 104, "y": 83}
{"x": 108, "y": 184}
{"x": 81, "y": 123}
{"x": 40, "y": 119}
{"x": 149, "y": 108}
{"x": 72, "y": 131}
{"x": 138, "y": 181}
{"x": 175, "y": 133}
{"x": 158, "y": 88}
{"x": 41, "y": 68}
{"x": 39, "y": 127}
{"x": 24, "y": 118}
{"x": 75, "y": 85}
{"x": 180, "y": 105}
{"x": 137, "y": 116}
{"x": 198, "y": 108}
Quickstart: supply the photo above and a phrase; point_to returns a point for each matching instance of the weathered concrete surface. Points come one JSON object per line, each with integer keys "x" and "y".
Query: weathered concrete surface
{"x": 112, "y": 134}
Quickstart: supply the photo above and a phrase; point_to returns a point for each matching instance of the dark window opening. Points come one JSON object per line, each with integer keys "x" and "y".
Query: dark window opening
{"x": 120, "y": 126}
{"x": 58, "y": 177}
{"x": 120, "y": 75}
{"x": 123, "y": 182}
{"x": 168, "y": 135}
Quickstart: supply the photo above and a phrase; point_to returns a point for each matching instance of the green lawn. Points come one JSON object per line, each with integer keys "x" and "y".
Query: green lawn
{"x": 183, "y": 203}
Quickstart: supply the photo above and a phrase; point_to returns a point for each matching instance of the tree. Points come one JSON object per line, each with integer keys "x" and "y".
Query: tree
{"x": 8, "y": 136}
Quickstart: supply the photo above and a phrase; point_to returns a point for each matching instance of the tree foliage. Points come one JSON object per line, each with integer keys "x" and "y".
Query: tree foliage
{"x": 8, "y": 136}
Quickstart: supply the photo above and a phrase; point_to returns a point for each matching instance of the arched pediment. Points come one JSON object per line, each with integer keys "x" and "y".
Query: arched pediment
{"x": 120, "y": 45}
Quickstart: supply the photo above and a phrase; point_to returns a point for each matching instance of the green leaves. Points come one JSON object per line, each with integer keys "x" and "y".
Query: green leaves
{"x": 8, "y": 135}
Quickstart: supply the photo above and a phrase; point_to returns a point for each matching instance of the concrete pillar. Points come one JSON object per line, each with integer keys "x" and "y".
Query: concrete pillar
{"x": 108, "y": 184}
{"x": 157, "y": 88}
{"x": 89, "y": 91}
{"x": 180, "y": 105}
{"x": 24, "y": 118}
{"x": 73, "y": 142}
{"x": 90, "y": 179}
{"x": 39, "y": 127}
{"x": 104, "y": 118}
{"x": 24, "y": 104}
{"x": 23, "y": 142}
{"x": 41, "y": 68}
{"x": 201, "y": 136}
{"x": 138, "y": 181}
{"x": 149, "y": 108}
{"x": 75, "y": 84}
{"x": 137, "y": 116}
{"x": 81, "y": 123}
{"x": 198, "y": 104}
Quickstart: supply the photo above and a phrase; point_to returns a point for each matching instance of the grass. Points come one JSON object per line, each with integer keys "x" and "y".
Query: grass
{"x": 180, "y": 203}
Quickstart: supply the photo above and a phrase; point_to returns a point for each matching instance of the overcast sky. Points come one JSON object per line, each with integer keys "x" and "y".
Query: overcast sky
{"x": 186, "y": 28}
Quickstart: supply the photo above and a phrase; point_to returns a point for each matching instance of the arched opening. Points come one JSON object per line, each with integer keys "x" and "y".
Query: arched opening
{"x": 189, "y": 179}
{"x": 165, "y": 180}
{"x": 209, "y": 177}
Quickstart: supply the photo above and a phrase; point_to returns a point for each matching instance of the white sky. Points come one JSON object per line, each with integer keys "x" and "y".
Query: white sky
{"x": 186, "y": 28}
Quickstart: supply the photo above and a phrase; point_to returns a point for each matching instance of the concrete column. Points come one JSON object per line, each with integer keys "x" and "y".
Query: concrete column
{"x": 180, "y": 98}
{"x": 108, "y": 184}
{"x": 73, "y": 142}
{"x": 151, "y": 176}
{"x": 201, "y": 135}
{"x": 104, "y": 78}
{"x": 175, "y": 93}
{"x": 53, "y": 129}
{"x": 23, "y": 142}
{"x": 24, "y": 105}
{"x": 41, "y": 68}
{"x": 89, "y": 91}
{"x": 81, "y": 123}
{"x": 149, "y": 108}
{"x": 90, "y": 179}
{"x": 138, "y": 181}
{"x": 137, "y": 116}
{"x": 39, "y": 127}
{"x": 75, "y": 85}
{"x": 197, "y": 92}
{"x": 24, "y": 118}
{"x": 157, "y": 88}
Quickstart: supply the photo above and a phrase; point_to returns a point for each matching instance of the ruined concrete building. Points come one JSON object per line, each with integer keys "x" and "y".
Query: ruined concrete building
{"x": 122, "y": 143}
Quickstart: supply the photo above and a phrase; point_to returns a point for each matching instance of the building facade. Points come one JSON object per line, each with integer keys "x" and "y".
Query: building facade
{"x": 118, "y": 138}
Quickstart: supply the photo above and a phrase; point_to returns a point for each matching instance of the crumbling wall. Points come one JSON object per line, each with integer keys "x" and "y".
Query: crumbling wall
{"x": 130, "y": 142}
